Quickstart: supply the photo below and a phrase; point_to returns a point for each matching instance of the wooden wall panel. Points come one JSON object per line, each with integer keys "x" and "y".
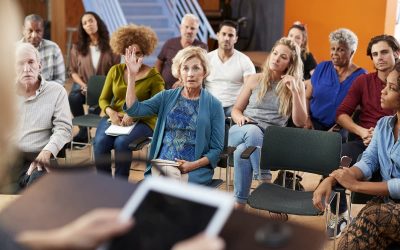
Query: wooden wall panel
{"x": 58, "y": 24}
{"x": 209, "y": 5}
{"x": 74, "y": 10}
{"x": 34, "y": 7}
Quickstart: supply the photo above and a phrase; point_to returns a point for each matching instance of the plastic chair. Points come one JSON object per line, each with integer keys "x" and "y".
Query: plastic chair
{"x": 295, "y": 149}
{"x": 90, "y": 120}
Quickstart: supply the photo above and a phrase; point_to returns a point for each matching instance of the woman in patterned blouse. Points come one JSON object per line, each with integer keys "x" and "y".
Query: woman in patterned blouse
{"x": 190, "y": 125}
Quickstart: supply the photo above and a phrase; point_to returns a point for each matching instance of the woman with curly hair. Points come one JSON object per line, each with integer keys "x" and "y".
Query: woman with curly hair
{"x": 267, "y": 99}
{"x": 148, "y": 83}
{"x": 92, "y": 55}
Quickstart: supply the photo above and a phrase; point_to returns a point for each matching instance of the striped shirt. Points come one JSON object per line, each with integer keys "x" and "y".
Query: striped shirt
{"x": 45, "y": 120}
{"x": 51, "y": 57}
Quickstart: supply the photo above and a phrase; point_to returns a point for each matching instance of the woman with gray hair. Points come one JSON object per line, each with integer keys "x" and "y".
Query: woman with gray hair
{"x": 190, "y": 124}
{"x": 328, "y": 87}
{"x": 331, "y": 80}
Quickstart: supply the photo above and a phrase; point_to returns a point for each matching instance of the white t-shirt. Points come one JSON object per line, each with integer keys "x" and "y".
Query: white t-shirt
{"x": 226, "y": 79}
{"x": 95, "y": 53}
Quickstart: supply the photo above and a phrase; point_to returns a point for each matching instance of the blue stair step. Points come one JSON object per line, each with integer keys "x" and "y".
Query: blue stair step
{"x": 138, "y": 1}
{"x": 154, "y": 21}
{"x": 144, "y": 8}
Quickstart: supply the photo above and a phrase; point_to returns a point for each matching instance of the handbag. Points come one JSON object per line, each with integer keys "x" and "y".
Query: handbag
{"x": 289, "y": 180}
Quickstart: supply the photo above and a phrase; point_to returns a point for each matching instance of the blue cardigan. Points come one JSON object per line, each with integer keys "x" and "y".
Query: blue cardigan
{"x": 209, "y": 130}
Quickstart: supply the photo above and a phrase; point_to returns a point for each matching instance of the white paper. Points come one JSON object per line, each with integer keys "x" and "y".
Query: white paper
{"x": 162, "y": 162}
{"x": 115, "y": 130}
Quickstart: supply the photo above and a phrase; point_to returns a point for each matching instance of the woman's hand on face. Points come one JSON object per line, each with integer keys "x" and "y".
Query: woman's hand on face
{"x": 126, "y": 120}
{"x": 290, "y": 83}
{"x": 133, "y": 63}
{"x": 185, "y": 166}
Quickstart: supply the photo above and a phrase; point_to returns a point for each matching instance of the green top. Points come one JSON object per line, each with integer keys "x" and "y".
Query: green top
{"x": 114, "y": 90}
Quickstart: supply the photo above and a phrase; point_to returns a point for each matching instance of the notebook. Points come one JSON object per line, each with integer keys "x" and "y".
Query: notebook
{"x": 116, "y": 130}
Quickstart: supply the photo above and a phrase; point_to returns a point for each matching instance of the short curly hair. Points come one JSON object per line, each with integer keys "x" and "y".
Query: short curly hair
{"x": 345, "y": 36}
{"x": 186, "y": 54}
{"x": 125, "y": 36}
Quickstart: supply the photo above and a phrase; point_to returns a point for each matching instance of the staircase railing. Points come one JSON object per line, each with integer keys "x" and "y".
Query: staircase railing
{"x": 109, "y": 10}
{"x": 178, "y": 8}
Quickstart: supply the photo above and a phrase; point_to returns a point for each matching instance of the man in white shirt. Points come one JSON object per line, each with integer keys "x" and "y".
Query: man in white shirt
{"x": 229, "y": 67}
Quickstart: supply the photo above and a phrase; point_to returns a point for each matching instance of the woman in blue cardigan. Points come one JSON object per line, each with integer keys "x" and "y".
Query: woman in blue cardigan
{"x": 190, "y": 125}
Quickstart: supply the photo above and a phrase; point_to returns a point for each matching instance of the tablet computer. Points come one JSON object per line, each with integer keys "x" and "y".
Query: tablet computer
{"x": 166, "y": 211}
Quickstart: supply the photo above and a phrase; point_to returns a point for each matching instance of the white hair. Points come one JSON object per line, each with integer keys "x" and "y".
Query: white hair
{"x": 21, "y": 46}
{"x": 190, "y": 16}
{"x": 345, "y": 36}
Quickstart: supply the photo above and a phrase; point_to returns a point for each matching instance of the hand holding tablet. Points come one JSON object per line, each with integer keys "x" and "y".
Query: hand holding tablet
{"x": 166, "y": 212}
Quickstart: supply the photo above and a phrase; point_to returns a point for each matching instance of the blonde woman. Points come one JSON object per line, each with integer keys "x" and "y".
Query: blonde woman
{"x": 267, "y": 99}
{"x": 190, "y": 124}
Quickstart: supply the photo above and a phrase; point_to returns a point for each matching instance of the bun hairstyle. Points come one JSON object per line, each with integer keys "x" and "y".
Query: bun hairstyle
{"x": 303, "y": 28}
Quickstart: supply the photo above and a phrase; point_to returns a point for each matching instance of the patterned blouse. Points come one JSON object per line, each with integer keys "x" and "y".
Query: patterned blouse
{"x": 180, "y": 131}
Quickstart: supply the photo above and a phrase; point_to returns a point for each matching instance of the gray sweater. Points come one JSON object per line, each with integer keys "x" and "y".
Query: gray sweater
{"x": 45, "y": 120}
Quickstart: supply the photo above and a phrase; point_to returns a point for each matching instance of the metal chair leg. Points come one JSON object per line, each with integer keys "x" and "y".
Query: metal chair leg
{"x": 336, "y": 219}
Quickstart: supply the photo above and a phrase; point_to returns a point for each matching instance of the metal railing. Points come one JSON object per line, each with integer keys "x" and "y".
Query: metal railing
{"x": 178, "y": 8}
{"x": 110, "y": 11}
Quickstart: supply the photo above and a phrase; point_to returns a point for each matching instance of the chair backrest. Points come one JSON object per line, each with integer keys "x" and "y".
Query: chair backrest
{"x": 94, "y": 88}
{"x": 301, "y": 150}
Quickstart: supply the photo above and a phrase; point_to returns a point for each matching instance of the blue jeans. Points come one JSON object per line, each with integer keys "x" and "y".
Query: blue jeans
{"x": 246, "y": 169}
{"x": 103, "y": 144}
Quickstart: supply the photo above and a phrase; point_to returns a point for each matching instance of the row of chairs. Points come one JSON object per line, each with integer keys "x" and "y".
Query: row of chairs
{"x": 284, "y": 148}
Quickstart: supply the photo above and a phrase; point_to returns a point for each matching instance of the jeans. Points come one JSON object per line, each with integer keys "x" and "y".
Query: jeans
{"x": 76, "y": 100}
{"x": 103, "y": 144}
{"x": 246, "y": 169}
